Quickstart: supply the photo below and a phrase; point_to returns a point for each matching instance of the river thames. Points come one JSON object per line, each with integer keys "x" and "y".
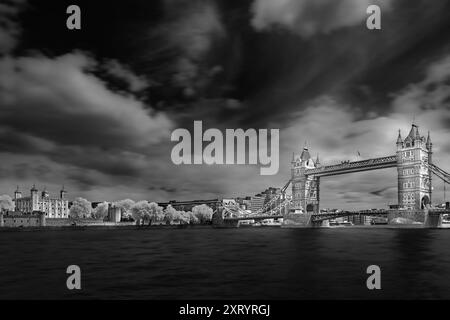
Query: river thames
{"x": 243, "y": 263}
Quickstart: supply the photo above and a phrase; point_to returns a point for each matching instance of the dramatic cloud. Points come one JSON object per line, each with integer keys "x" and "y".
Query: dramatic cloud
{"x": 57, "y": 108}
{"x": 311, "y": 17}
{"x": 57, "y": 99}
{"x": 9, "y": 28}
{"x": 429, "y": 101}
{"x": 192, "y": 31}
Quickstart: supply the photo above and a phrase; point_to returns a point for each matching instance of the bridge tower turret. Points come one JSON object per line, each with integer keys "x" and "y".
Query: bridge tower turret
{"x": 399, "y": 141}
{"x": 414, "y": 174}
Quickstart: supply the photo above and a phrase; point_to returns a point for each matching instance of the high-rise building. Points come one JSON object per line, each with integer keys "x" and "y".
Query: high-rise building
{"x": 257, "y": 203}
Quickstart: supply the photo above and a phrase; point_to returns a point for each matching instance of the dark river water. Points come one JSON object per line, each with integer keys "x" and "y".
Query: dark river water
{"x": 245, "y": 263}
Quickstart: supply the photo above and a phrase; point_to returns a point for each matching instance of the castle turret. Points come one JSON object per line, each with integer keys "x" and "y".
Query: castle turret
{"x": 62, "y": 193}
{"x": 17, "y": 194}
{"x": 45, "y": 193}
{"x": 34, "y": 199}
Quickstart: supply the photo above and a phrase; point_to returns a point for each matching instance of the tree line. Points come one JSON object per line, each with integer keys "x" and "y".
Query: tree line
{"x": 142, "y": 212}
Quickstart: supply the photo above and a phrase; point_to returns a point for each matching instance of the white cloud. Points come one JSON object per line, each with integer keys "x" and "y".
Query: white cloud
{"x": 135, "y": 83}
{"x": 310, "y": 17}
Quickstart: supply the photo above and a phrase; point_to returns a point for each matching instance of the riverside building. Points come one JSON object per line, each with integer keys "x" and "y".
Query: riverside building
{"x": 52, "y": 207}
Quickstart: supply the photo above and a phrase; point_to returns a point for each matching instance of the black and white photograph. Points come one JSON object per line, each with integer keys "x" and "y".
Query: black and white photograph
{"x": 225, "y": 155}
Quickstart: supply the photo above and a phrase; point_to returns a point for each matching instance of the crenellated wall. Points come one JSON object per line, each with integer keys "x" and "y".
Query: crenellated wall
{"x": 18, "y": 221}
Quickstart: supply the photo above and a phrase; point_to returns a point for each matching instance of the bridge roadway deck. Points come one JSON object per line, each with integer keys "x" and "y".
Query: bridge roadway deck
{"x": 326, "y": 216}
{"x": 316, "y": 217}
{"x": 259, "y": 217}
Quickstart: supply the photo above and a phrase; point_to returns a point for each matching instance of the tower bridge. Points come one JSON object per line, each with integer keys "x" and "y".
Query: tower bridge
{"x": 415, "y": 170}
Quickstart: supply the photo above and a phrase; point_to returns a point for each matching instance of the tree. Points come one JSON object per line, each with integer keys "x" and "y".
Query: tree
{"x": 156, "y": 213}
{"x": 190, "y": 218}
{"x": 203, "y": 213}
{"x": 140, "y": 210}
{"x": 125, "y": 207}
{"x": 101, "y": 211}
{"x": 184, "y": 217}
{"x": 170, "y": 214}
{"x": 81, "y": 208}
{"x": 6, "y": 203}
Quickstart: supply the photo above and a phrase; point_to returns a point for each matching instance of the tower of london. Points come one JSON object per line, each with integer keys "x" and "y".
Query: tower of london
{"x": 52, "y": 207}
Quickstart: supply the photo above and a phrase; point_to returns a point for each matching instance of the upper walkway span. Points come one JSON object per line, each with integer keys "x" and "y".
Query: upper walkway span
{"x": 354, "y": 166}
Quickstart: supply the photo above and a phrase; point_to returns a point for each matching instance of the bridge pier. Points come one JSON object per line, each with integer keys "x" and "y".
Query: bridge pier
{"x": 217, "y": 218}
{"x": 299, "y": 220}
{"x": 229, "y": 223}
{"x": 429, "y": 218}
{"x": 433, "y": 219}
{"x": 405, "y": 217}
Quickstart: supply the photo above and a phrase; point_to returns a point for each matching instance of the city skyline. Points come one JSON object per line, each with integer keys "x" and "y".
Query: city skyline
{"x": 78, "y": 109}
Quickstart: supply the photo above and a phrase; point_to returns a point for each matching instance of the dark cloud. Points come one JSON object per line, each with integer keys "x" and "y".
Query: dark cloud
{"x": 59, "y": 101}
{"x": 9, "y": 26}
{"x": 82, "y": 180}
{"x": 169, "y": 190}
{"x": 70, "y": 116}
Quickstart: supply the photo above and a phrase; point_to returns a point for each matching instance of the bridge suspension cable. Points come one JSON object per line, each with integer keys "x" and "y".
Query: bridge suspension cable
{"x": 233, "y": 210}
{"x": 440, "y": 173}
{"x": 280, "y": 196}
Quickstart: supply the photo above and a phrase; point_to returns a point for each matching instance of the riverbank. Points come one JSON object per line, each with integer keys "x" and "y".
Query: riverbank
{"x": 101, "y": 227}
{"x": 174, "y": 227}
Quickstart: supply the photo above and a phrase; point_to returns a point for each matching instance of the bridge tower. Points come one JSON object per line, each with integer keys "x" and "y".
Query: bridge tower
{"x": 305, "y": 189}
{"x": 414, "y": 174}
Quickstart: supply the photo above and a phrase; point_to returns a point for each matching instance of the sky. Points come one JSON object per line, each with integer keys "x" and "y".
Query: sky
{"x": 94, "y": 109}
